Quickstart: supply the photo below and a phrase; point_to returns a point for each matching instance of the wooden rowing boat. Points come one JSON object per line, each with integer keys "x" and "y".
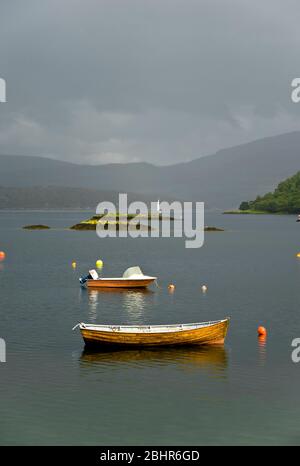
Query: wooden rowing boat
{"x": 132, "y": 278}
{"x": 205, "y": 333}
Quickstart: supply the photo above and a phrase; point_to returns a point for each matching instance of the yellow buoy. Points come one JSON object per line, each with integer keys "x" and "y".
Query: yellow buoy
{"x": 74, "y": 265}
{"x": 99, "y": 264}
{"x": 298, "y": 255}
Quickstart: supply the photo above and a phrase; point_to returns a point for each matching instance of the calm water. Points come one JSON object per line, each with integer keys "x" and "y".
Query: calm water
{"x": 53, "y": 392}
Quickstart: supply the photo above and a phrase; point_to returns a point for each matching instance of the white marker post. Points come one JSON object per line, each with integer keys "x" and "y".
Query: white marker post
{"x": 2, "y": 350}
{"x": 2, "y": 90}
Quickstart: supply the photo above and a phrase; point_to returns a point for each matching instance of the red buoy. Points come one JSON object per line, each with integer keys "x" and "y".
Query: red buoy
{"x": 2, "y": 256}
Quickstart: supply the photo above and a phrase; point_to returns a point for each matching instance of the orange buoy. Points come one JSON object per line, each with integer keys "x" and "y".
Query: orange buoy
{"x": 262, "y": 332}
{"x": 171, "y": 287}
{"x": 2, "y": 256}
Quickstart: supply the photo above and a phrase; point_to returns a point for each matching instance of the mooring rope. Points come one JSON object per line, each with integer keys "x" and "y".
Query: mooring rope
{"x": 156, "y": 283}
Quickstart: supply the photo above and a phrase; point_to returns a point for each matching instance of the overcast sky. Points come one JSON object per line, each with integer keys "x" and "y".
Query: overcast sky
{"x": 162, "y": 81}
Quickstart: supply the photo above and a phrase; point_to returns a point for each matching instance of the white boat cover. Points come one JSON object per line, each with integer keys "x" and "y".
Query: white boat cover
{"x": 94, "y": 274}
{"x": 133, "y": 272}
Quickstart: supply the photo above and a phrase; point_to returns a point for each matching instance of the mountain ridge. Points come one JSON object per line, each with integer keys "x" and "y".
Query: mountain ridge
{"x": 220, "y": 180}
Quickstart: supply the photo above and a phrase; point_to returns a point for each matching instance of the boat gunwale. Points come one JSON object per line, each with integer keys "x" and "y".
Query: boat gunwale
{"x": 103, "y": 279}
{"x": 140, "y": 329}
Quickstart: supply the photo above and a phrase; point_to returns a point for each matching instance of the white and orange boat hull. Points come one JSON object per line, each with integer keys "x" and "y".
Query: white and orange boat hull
{"x": 120, "y": 282}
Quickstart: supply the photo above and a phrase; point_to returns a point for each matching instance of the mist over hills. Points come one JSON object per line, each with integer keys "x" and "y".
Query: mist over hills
{"x": 221, "y": 180}
{"x": 58, "y": 197}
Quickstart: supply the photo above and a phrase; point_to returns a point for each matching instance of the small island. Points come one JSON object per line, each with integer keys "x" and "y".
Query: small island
{"x": 115, "y": 222}
{"x": 212, "y": 229}
{"x": 244, "y": 212}
{"x": 283, "y": 201}
{"x": 36, "y": 227}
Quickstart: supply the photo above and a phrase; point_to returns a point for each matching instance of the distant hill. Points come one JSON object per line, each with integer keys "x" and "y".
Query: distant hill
{"x": 221, "y": 180}
{"x": 56, "y": 197}
{"x": 285, "y": 199}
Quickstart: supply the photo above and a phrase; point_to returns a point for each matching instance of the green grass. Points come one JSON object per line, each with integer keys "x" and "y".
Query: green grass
{"x": 118, "y": 220}
{"x": 254, "y": 212}
{"x": 245, "y": 212}
{"x": 119, "y": 215}
{"x": 91, "y": 225}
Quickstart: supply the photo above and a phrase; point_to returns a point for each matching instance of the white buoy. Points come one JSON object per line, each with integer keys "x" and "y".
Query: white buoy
{"x": 204, "y": 288}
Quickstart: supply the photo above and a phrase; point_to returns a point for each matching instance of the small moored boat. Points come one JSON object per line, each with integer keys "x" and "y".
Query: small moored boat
{"x": 132, "y": 278}
{"x": 205, "y": 333}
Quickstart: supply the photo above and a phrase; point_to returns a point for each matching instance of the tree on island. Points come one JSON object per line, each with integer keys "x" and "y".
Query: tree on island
{"x": 245, "y": 205}
{"x": 285, "y": 199}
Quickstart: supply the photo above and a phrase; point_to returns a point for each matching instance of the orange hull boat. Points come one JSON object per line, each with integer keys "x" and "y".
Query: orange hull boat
{"x": 207, "y": 333}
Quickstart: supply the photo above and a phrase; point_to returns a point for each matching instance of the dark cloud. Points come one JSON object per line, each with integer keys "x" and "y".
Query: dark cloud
{"x": 161, "y": 80}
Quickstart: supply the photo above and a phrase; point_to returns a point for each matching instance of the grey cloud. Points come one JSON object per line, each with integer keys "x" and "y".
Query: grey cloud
{"x": 161, "y": 81}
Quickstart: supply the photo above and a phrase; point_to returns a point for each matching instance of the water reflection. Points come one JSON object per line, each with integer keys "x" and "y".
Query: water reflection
{"x": 213, "y": 358}
{"x": 119, "y": 291}
{"x": 133, "y": 301}
{"x": 262, "y": 349}
{"x": 93, "y": 304}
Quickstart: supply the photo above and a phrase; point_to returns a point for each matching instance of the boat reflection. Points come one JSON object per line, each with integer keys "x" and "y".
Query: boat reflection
{"x": 203, "y": 357}
{"x": 121, "y": 291}
{"x": 133, "y": 301}
{"x": 93, "y": 304}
